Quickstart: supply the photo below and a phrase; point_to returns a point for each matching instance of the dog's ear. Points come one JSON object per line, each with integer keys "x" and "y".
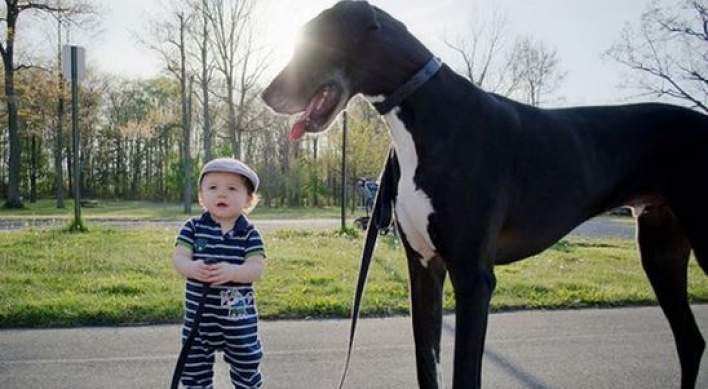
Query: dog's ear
{"x": 357, "y": 19}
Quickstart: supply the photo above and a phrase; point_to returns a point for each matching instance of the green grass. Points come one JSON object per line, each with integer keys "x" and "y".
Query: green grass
{"x": 107, "y": 276}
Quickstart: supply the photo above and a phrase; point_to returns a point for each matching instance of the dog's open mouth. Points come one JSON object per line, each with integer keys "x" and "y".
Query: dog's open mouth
{"x": 319, "y": 111}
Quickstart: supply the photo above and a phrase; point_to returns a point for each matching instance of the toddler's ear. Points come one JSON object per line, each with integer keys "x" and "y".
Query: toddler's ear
{"x": 251, "y": 202}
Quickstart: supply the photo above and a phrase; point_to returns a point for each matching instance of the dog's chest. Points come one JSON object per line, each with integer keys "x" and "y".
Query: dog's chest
{"x": 413, "y": 206}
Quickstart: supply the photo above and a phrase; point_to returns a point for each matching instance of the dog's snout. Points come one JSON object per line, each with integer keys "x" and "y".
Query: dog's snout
{"x": 280, "y": 97}
{"x": 267, "y": 95}
{"x": 272, "y": 96}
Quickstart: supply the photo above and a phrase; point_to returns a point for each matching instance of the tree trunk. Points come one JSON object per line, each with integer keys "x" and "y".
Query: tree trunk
{"x": 233, "y": 131}
{"x": 242, "y": 106}
{"x": 185, "y": 118}
{"x": 136, "y": 164}
{"x": 205, "y": 87}
{"x": 59, "y": 149}
{"x": 13, "y": 199}
{"x": 58, "y": 153}
{"x": 34, "y": 167}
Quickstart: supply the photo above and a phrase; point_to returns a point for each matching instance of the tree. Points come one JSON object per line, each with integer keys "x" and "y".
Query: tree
{"x": 535, "y": 71}
{"x": 185, "y": 94}
{"x": 13, "y": 9}
{"x": 666, "y": 53}
{"x": 35, "y": 117}
{"x": 481, "y": 50}
{"x": 206, "y": 68}
{"x": 527, "y": 70}
{"x": 232, "y": 26}
{"x": 174, "y": 54}
{"x": 59, "y": 120}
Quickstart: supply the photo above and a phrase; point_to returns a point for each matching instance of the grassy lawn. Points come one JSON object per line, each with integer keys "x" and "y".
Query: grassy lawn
{"x": 111, "y": 276}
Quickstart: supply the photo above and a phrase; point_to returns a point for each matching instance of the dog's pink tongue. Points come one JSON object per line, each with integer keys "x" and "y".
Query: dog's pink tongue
{"x": 297, "y": 131}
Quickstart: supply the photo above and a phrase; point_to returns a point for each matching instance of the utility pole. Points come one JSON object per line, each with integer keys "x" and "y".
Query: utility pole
{"x": 73, "y": 68}
{"x": 59, "y": 153}
{"x": 344, "y": 171}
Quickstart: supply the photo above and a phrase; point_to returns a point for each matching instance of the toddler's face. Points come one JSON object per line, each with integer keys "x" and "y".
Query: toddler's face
{"x": 224, "y": 195}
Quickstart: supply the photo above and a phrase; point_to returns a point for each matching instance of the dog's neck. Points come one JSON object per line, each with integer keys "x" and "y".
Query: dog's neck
{"x": 410, "y": 86}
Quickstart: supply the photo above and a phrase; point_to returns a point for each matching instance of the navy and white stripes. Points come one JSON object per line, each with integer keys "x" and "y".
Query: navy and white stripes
{"x": 230, "y": 319}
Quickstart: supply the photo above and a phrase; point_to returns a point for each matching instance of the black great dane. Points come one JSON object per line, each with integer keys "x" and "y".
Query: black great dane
{"x": 485, "y": 180}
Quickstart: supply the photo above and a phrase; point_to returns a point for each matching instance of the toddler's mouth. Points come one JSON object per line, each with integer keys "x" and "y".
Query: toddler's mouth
{"x": 221, "y": 205}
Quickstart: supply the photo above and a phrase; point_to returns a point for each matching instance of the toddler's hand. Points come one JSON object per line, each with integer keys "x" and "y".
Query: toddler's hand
{"x": 199, "y": 271}
{"x": 221, "y": 273}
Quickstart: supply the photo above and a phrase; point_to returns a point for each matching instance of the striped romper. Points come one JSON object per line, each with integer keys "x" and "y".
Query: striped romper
{"x": 230, "y": 319}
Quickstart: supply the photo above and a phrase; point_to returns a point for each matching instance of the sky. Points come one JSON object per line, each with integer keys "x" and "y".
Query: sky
{"x": 580, "y": 31}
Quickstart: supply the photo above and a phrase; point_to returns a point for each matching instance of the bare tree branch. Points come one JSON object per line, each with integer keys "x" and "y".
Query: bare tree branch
{"x": 668, "y": 55}
{"x": 527, "y": 70}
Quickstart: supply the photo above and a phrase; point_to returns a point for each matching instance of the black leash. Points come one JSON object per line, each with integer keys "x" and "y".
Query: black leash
{"x": 381, "y": 217}
{"x": 187, "y": 345}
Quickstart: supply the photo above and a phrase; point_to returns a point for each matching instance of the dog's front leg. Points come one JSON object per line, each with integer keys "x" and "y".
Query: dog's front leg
{"x": 474, "y": 281}
{"x": 426, "y": 284}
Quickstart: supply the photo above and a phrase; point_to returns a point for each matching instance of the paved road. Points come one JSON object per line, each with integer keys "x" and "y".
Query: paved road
{"x": 266, "y": 225}
{"x": 624, "y": 348}
{"x": 613, "y": 348}
{"x": 602, "y": 226}
{"x": 606, "y": 227}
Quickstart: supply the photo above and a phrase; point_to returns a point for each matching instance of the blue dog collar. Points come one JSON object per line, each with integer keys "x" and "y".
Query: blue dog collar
{"x": 415, "y": 82}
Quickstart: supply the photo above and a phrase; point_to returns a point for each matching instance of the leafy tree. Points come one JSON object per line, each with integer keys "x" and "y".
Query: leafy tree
{"x": 367, "y": 147}
{"x": 12, "y": 11}
{"x": 35, "y": 116}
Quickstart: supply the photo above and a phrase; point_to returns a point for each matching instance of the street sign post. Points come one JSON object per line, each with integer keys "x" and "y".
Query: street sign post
{"x": 73, "y": 69}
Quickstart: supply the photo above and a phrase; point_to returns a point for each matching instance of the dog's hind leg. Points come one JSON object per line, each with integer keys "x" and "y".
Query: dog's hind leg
{"x": 426, "y": 290}
{"x": 665, "y": 251}
{"x": 694, "y": 221}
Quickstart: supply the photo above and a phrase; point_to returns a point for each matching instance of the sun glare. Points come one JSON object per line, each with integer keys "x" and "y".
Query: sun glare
{"x": 284, "y": 18}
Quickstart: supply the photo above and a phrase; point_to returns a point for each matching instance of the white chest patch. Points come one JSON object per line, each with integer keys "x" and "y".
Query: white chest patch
{"x": 413, "y": 206}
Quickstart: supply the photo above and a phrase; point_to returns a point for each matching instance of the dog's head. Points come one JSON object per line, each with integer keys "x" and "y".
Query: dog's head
{"x": 348, "y": 49}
